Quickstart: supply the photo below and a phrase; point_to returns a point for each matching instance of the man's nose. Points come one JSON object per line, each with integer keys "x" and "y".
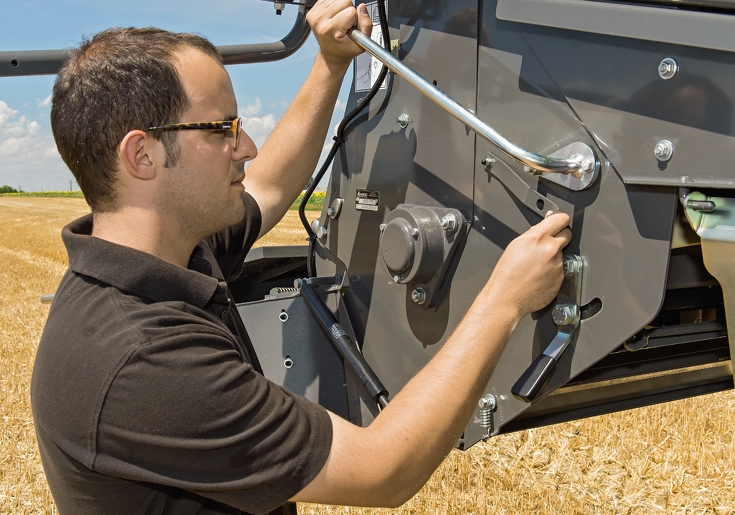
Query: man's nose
{"x": 246, "y": 149}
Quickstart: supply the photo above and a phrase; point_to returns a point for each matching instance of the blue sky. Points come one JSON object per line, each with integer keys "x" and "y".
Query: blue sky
{"x": 28, "y": 156}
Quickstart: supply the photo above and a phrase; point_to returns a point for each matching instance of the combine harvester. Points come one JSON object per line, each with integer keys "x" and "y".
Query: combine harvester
{"x": 489, "y": 114}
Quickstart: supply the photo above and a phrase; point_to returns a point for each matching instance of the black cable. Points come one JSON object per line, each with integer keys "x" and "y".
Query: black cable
{"x": 338, "y": 140}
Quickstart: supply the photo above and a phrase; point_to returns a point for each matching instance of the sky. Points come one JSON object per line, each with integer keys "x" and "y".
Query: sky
{"x": 28, "y": 155}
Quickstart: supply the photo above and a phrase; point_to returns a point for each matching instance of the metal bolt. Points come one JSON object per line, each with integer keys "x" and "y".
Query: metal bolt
{"x": 565, "y": 314}
{"x": 449, "y": 222}
{"x": 382, "y": 227}
{"x": 488, "y": 402}
{"x": 334, "y": 209}
{"x": 331, "y": 212}
{"x": 280, "y": 6}
{"x": 418, "y": 295}
{"x": 403, "y": 120}
{"x": 667, "y": 68}
{"x": 571, "y": 266}
{"x": 663, "y": 150}
{"x": 415, "y": 231}
{"x": 587, "y": 165}
{"x": 397, "y": 278}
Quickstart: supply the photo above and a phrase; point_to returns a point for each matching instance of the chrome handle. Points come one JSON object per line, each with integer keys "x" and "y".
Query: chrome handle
{"x": 582, "y": 164}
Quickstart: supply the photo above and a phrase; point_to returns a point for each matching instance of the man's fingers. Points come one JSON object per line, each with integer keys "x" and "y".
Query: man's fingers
{"x": 554, "y": 223}
{"x": 364, "y": 21}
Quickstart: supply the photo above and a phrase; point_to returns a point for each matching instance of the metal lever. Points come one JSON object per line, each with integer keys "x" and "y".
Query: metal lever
{"x": 582, "y": 163}
{"x": 566, "y": 315}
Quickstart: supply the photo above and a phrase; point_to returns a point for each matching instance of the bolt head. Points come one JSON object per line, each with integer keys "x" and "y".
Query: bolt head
{"x": 418, "y": 296}
{"x": 331, "y": 212}
{"x": 587, "y": 165}
{"x": 449, "y": 222}
{"x": 397, "y": 278}
{"x": 415, "y": 231}
{"x": 663, "y": 150}
{"x": 382, "y": 227}
{"x": 403, "y": 120}
{"x": 487, "y": 402}
{"x": 667, "y": 68}
{"x": 565, "y": 314}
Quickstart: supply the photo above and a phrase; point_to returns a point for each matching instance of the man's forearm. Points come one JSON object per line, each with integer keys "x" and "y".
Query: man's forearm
{"x": 290, "y": 155}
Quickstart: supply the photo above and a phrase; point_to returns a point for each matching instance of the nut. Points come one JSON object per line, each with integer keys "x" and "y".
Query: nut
{"x": 487, "y": 402}
{"x": 565, "y": 314}
{"x": 663, "y": 150}
{"x": 418, "y": 295}
{"x": 449, "y": 222}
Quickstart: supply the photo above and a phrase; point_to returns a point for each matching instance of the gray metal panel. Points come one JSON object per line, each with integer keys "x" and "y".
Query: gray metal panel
{"x": 429, "y": 163}
{"x": 317, "y": 372}
{"x": 692, "y": 28}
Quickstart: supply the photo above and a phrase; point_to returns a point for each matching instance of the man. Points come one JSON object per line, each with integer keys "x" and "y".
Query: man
{"x": 146, "y": 392}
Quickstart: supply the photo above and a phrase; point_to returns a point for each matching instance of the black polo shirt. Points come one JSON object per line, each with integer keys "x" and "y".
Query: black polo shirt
{"x": 146, "y": 393}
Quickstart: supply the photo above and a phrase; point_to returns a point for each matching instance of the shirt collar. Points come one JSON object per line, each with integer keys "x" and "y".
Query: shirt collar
{"x": 139, "y": 273}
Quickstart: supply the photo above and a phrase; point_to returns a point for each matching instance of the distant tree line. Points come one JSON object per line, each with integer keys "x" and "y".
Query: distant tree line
{"x": 8, "y": 189}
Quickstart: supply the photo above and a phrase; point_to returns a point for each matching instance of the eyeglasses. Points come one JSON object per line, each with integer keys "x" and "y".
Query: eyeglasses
{"x": 235, "y": 126}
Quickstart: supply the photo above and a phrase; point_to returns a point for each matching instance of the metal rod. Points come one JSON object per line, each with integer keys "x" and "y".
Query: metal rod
{"x": 534, "y": 161}
{"x": 18, "y": 63}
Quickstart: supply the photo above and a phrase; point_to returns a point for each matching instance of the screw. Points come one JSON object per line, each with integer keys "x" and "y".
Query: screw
{"x": 488, "y": 162}
{"x": 663, "y": 150}
{"x": 488, "y": 402}
{"x": 571, "y": 266}
{"x": 415, "y": 231}
{"x": 403, "y": 120}
{"x": 382, "y": 227}
{"x": 449, "y": 222}
{"x": 667, "y": 68}
{"x": 565, "y": 314}
{"x": 397, "y": 278}
{"x": 331, "y": 212}
{"x": 418, "y": 295}
{"x": 587, "y": 165}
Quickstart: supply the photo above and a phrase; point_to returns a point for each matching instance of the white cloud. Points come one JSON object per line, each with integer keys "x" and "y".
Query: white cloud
{"x": 257, "y": 127}
{"x": 28, "y": 155}
{"x": 43, "y": 103}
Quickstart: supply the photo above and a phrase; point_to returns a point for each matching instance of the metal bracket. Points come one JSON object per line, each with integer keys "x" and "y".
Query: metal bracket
{"x": 529, "y": 197}
{"x": 566, "y": 315}
{"x": 713, "y": 218}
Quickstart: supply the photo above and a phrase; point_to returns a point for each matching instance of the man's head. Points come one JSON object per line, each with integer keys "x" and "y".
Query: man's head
{"x": 118, "y": 81}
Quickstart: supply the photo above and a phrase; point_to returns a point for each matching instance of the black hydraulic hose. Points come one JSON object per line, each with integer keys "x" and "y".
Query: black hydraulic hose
{"x": 338, "y": 140}
{"x": 344, "y": 344}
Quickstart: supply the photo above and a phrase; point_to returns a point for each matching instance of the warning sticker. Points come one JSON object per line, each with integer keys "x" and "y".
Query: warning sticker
{"x": 367, "y": 200}
{"x": 367, "y": 68}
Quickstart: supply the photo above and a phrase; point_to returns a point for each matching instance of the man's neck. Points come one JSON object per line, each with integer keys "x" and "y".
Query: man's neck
{"x": 143, "y": 230}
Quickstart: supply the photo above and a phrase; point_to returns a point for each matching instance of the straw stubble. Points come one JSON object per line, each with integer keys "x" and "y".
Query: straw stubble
{"x": 671, "y": 458}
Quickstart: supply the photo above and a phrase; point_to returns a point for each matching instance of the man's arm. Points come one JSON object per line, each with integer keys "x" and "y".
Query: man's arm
{"x": 389, "y": 461}
{"x": 289, "y": 156}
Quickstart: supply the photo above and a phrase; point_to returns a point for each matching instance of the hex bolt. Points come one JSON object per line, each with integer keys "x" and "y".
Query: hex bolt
{"x": 415, "y": 231}
{"x": 331, "y": 212}
{"x": 488, "y": 402}
{"x": 418, "y": 295}
{"x": 449, "y": 222}
{"x": 667, "y": 68}
{"x": 403, "y": 120}
{"x": 571, "y": 266}
{"x": 382, "y": 227}
{"x": 663, "y": 150}
{"x": 565, "y": 314}
{"x": 397, "y": 278}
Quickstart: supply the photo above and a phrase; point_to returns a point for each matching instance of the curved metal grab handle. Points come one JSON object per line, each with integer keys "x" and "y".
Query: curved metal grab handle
{"x": 578, "y": 165}
{"x": 48, "y": 62}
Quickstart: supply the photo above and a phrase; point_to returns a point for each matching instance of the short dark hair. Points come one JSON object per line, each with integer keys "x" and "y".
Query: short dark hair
{"x": 118, "y": 80}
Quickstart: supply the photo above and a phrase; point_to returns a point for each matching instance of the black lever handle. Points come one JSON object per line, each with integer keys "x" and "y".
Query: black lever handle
{"x": 534, "y": 378}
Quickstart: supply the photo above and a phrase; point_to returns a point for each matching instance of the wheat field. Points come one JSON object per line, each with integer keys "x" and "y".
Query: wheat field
{"x": 674, "y": 458}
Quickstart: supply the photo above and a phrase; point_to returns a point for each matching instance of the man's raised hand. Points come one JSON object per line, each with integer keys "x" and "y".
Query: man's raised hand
{"x": 330, "y": 20}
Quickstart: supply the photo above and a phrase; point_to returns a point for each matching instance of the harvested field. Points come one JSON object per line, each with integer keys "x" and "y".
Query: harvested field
{"x": 672, "y": 458}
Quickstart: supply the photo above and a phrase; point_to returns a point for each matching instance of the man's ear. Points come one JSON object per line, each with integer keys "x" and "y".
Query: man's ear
{"x": 140, "y": 155}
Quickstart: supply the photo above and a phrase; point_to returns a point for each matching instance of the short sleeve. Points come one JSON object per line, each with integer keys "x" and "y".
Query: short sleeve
{"x": 231, "y": 245}
{"x": 186, "y": 412}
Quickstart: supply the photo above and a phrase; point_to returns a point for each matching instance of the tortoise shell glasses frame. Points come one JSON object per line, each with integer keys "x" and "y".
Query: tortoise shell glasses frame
{"x": 234, "y": 126}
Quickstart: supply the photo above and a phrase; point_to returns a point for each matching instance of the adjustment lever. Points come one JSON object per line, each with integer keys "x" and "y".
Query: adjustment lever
{"x": 566, "y": 316}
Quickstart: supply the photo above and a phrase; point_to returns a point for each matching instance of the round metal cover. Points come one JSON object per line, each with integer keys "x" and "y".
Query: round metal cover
{"x": 398, "y": 246}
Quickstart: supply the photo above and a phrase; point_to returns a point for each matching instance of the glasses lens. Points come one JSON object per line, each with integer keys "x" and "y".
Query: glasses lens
{"x": 237, "y": 128}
